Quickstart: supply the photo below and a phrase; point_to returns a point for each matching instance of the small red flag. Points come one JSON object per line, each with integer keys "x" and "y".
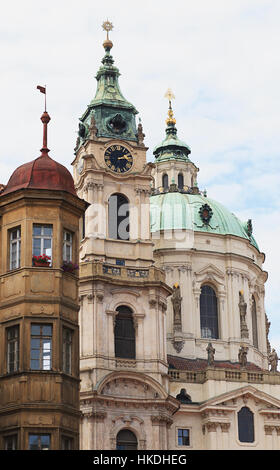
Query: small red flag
{"x": 42, "y": 89}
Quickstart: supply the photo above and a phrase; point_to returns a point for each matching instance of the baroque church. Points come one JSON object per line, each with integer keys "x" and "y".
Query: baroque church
{"x": 132, "y": 306}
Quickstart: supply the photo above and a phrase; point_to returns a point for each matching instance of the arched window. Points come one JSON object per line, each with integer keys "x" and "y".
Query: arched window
{"x": 208, "y": 313}
{"x": 118, "y": 217}
{"x": 246, "y": 425}
{"x": 165, "y": 181}
{"x": 180, "y": 181}
{"x": 254, "y": 323}
{"x": 126, "y": 440}
{"x": 124, "y": 333}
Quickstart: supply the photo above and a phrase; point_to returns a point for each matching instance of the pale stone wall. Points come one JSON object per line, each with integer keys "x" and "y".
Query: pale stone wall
{"x": 173, "y": 168}
{"x": 229, "y": 264}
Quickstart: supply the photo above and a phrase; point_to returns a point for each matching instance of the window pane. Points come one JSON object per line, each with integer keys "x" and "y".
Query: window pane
{"x": 47, "y": 244}
{"x": 246, "y": 425}
{"x": 35, "y": 354}
{"x": 183, "y": 437}
{"x": 165, "y": 181}
{"x": 36, "y": 246}
{"x": 180, "y": 181}
{"x": 48, "y": 230}
{"x": 208, "y": 313}
{"x": 35, "y": 365}
{"x": 35, "y": 343}
{"x": 37, "y": 229}
{"x": 45, "y": 441}
{"x": 67, "y": 350}
{"x": 46, "y": 347}
{"x": 35, "y": 329}
{"x": 39, "y": 441}
{"x": 13, "y": 349}
{"x": 67, "y": 443}
{"x": 124, "y": 334}
{"x": 41, "y": 347}
{"x": 47, "y": 330}
{"x": 33, "y": 442}
{"x": 11, "y": 442}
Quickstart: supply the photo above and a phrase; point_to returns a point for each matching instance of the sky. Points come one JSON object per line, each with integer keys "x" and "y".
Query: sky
{"x": 221, "y": 60}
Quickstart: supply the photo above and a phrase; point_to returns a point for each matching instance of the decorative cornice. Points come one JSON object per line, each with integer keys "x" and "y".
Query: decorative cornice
{"x": 161, "y": 420}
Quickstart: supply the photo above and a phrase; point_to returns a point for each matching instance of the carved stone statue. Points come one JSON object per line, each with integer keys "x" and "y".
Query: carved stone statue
{"x": 267, "y": 327}
{"x": 77, "y": 144}
{"x": 243, "y": 309}
{"x": 140, "y": 134}
{"x": 82, "y": 130}
{"x": 92, "y": 128}
{"x": 176, "y": 301}
{"x": 211, "y": 352}
{"x": 273, "y": 361}
{"x": 183, "y": 397}
{"x": 242, "y": 356}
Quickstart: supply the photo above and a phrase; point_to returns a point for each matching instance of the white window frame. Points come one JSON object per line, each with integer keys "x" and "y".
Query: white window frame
{"x": 67, "y": 341}
{"x": 13, "y": 439}
{"x": 67, "y": 243}
{"x": 44, "y": 348}
{"x": 43, "y": 237}
{"x": 15, "y": 242}
{"x": 13, "y": 348}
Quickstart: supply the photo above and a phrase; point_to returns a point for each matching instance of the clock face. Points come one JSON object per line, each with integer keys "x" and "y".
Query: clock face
{"x": 118, "y": 158}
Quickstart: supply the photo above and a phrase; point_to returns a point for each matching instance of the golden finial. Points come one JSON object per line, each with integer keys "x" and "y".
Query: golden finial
{"x": 170, "y": 96}
{"x": 107, "y": 26}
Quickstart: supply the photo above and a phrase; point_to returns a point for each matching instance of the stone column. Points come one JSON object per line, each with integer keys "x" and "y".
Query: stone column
{"x": 102, "y": 216}
{"x": 268, "y": 437}
{"x": 138, "y": 319}
{"x": 98, "y": 430}
{"x": 225, "y": 435}
{"x": 160, "y": 424}
{"x": 86, "y": 324}
{"x": 223, "y": 326}
{"x": 86, "y": 432}
{"x": 111, "y": 320}
{"x": 197, "y": 292}
{"x": 211, "y": 430}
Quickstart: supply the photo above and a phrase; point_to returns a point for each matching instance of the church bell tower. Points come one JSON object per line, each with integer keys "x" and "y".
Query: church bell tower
{"x": 123, "y": 362}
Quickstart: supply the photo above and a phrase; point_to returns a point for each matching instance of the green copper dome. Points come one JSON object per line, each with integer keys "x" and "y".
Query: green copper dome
{"x": 171, "y": 148}
{"x": 113, "y": 116}
{"x": 175, "y": 210}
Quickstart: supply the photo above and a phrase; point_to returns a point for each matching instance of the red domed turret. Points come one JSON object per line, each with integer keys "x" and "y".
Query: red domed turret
{"x": 41, "y": 173}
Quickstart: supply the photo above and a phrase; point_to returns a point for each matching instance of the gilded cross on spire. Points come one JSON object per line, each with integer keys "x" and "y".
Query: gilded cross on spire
{"x": 107, "y": 26}
{"x": 170, "y": 96}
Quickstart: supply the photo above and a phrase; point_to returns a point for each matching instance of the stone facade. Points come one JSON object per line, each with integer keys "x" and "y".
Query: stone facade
{"x": 34, "y": 401}
{"x": 170, "y": 395}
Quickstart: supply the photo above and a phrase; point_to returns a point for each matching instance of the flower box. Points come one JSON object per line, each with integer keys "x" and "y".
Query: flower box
{"x": 69, "y": 266}
{"x": 41, "y": 261}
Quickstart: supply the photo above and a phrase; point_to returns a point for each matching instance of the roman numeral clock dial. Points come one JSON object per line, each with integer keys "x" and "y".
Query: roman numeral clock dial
{"x": 118, "y": 158}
